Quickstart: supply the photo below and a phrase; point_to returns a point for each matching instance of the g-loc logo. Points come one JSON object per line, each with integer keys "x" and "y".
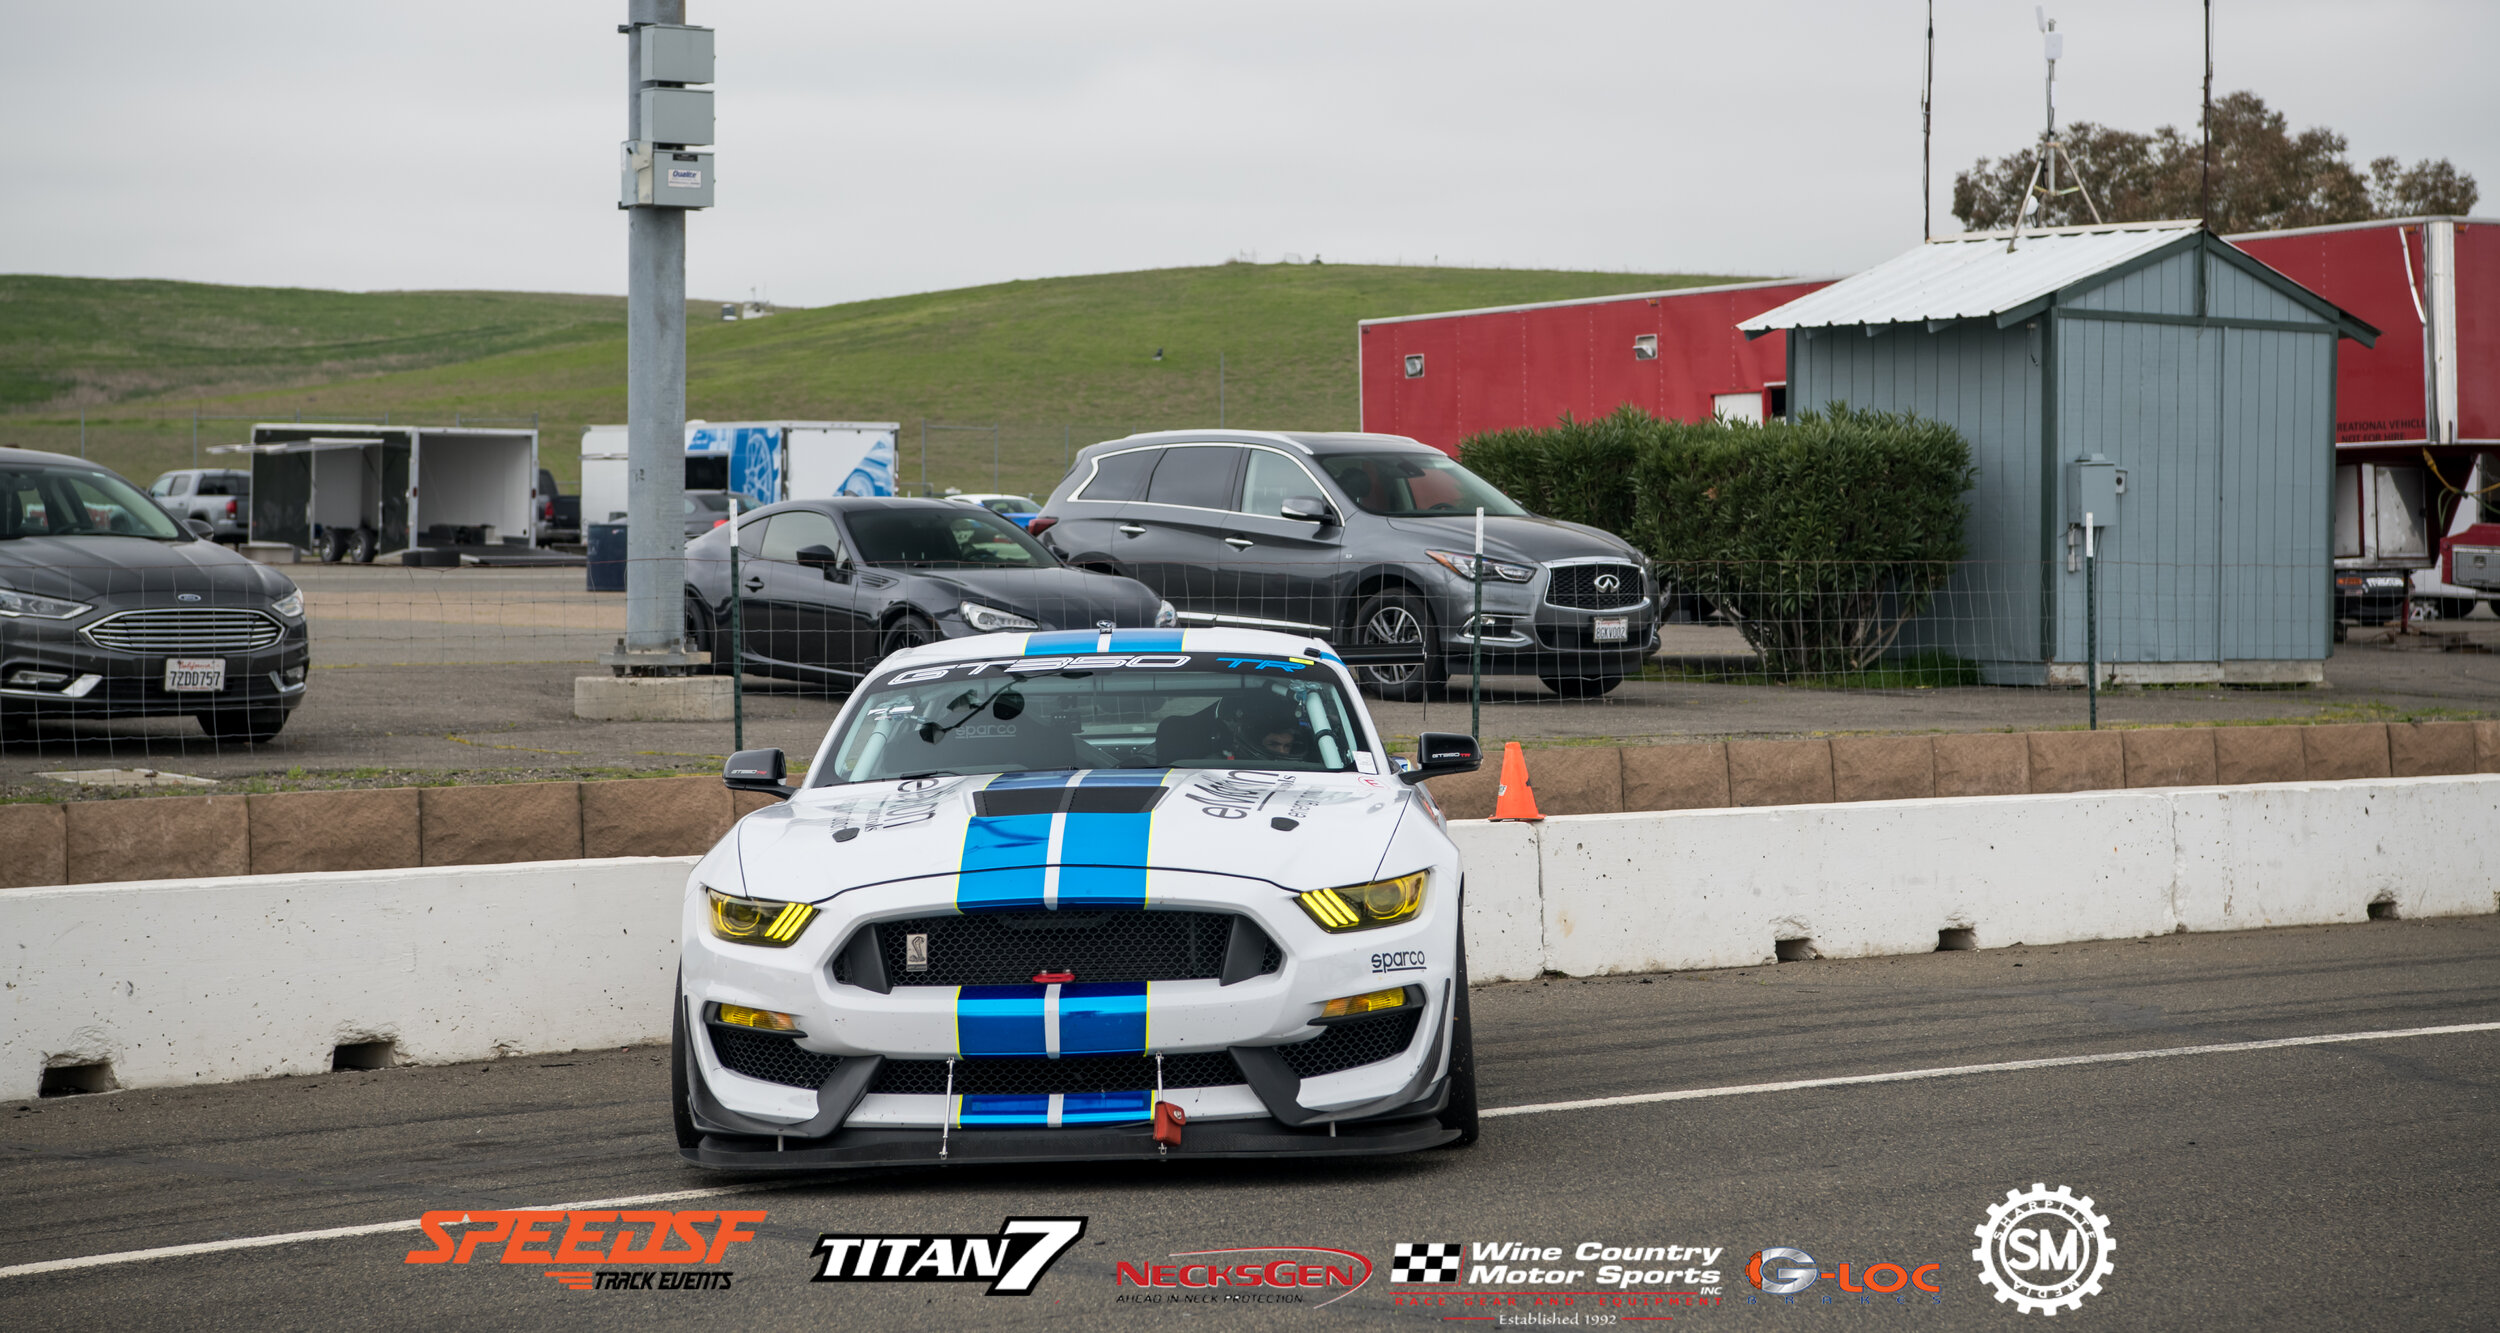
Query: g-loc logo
{"x": 1885, "y": 1278}
{"x": 1011, "y": 1261}
{"x": 2022, "y": 1238}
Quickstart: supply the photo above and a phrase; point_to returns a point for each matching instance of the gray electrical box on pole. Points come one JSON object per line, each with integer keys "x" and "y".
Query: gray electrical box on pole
{"x": 662, "y": 179}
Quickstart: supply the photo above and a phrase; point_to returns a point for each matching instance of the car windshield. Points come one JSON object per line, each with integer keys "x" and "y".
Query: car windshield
{"x": 952, "y": 536}
{"x": 1011, "y": 504}
{"x": 1151, "y": 710}
{"x": 1409, "y": 485}
{"x": 65, "y": 502}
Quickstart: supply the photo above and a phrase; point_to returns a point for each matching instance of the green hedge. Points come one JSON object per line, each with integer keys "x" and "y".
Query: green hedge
{"x": 1821, "y": 535}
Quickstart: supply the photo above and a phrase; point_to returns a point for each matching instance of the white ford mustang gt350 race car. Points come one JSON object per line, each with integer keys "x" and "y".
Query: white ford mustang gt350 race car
{"x": 1081, "y": 894}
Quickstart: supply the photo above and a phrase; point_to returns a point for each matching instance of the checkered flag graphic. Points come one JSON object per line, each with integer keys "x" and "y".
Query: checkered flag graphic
{"x": 1425, "y": 1261}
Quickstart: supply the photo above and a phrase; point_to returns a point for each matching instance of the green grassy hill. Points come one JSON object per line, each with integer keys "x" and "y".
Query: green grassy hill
{"x": 1053, "y": 363}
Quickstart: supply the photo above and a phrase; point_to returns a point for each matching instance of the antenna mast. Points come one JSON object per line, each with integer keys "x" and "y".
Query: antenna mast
{"x": 2205, "y": 176}
{"x": 1927, "y": 134}
{"x": 2036, "y": 195}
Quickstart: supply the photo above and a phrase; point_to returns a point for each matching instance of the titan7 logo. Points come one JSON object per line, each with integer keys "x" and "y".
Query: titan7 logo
{"x": 1011, "y": 1261}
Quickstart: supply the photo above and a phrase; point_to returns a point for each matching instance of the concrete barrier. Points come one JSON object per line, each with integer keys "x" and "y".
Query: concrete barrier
{"x": 209, "y": 980}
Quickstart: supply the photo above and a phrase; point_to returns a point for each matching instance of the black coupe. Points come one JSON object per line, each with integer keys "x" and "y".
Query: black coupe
{"x": 828, "y": 588}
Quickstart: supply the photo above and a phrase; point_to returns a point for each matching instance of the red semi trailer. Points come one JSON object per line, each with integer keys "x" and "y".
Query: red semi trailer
{"x": 1442, "y": 377}
{"x": 2417, "y": 416}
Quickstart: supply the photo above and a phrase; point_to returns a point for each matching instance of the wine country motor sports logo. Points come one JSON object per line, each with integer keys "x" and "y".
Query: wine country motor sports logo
{"x": 583, "y": 1236}
{"x": 2043, "y": 1249}
{"x": 1490, "y": 1278}
{"x": 1011, "y": 1261}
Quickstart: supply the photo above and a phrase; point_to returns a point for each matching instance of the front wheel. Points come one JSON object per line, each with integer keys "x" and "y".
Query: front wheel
{"x": 1460, "y": 1113}
{"x": 908, "y": 631}
{"x": 1396, "y": 617}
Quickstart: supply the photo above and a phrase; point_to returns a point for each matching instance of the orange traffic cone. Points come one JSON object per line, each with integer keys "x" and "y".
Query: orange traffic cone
{"x": 1514, "y": 798}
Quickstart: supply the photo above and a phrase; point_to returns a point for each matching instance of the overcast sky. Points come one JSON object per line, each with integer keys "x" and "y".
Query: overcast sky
{"x": 868, "y": 150}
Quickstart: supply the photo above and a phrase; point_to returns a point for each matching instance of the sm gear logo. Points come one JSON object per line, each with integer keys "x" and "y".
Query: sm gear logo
{"x": 1782, "y": 1270}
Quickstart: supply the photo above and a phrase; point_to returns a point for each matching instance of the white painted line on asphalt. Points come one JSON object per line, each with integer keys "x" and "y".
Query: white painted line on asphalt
{"x": 1688, "y": 1094}
{"x": 368, "y": 1229}
{"x": 2001, "y": 1067}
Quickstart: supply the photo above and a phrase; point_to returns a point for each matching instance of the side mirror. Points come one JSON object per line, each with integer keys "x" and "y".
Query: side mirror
{"x": 822, "y": 557}
{"x": 1307, "y": 508}
{"x": 1440, "y": 753}
{"x": 199, "y": 527}
{"x": 757, "y": 770}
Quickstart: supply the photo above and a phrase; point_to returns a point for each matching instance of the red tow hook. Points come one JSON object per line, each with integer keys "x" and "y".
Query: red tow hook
{"x": 1169, "y": 1118}
{"x": 1053, "y": 978}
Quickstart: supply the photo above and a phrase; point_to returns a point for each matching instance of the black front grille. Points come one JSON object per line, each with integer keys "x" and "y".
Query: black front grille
{"x": 772, "y": 1059}
{"x": 1011, "y": 948}
{"x": 1595, "y": 587}
{"x": 1074, "y": 1073}
{"x": 1363, "y": 1041}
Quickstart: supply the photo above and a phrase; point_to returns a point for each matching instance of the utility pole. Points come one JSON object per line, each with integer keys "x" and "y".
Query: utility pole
{"x": 2205, "y": 149}
{"x": 661, "y": 179}
{"x": 1927, "y": 135}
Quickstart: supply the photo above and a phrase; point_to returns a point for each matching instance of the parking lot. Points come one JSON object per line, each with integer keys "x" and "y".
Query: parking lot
{"x": 2251, "y": 1185}
{"x": 426, "y": 674}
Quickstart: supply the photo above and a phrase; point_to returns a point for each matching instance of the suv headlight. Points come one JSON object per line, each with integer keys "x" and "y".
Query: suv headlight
{"x": 291, "y": 606}
{"x": 1464, "y": 565}
{"x": 988, "y": 619}
{"x": 760, "y": 921}
{"x": 14, "y": 603}
{"x": 1383, "y": 902}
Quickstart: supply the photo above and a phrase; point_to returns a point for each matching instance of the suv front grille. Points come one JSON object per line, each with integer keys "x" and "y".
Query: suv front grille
{"x": 1010, "y": 948}
{"x": 181, "y": 631}
{"x": 1584, "y": 587}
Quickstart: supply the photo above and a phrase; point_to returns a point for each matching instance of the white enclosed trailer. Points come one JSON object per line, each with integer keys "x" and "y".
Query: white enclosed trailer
{"x": 354, "y": 492}
{"x": 769, "y": 460}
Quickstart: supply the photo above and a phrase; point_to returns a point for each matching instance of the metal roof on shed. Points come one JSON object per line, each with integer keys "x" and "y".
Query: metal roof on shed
{"x": 1970, "y": 277}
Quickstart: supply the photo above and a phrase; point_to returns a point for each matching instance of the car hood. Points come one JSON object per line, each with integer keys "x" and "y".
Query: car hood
{"x": 1527, "y": 538}
{"x": 1297, "y": 831}
{"x": 90, "y": 569}
{"x": 1059, "y": 597}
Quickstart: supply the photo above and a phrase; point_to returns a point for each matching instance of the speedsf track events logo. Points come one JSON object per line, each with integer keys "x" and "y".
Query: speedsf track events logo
{"x": 668, "y": 1242}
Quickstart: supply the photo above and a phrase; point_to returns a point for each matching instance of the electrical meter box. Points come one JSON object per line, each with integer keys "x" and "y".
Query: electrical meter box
{"x": 665, "y": 177}
{"x": 2094, "y": 485}
{"x": 672, "y": 53}
{"x": 677, "y": 115}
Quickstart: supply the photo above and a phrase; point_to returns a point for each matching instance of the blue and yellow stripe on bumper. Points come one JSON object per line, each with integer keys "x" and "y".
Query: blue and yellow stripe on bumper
{"x": 1075, "y": 1018}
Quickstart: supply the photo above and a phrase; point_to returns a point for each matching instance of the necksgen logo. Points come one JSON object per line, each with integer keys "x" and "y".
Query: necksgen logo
{"x": 1011, "y": 1261}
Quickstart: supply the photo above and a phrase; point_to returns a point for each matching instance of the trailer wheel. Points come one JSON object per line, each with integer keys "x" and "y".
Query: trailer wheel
{"x": 364, "y": 545}
{"x": 333, "y": 545}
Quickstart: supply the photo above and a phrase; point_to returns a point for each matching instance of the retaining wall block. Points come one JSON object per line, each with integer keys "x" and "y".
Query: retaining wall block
{"x": 2244, "y": 755}
{"x": 1883, "y": 768}
{"x": 2429, "y": 749}
{"x": 1985, "y": 763}
{"x": 1577, "y": 779}
{"x": 1675, "y": 777}
{"x": 2178, "y": 757}
{"x": 166, "y": 837}
{"x": 1779, "y": 772}
{"x": 2346, "y": 750}
{"x": 295, "y": 832}
{"x": 1504, "y": 920}
{"x": 501, "y": 822}
{"x": 2067, "y": 761}
{"x": 33, "y": 847}
{"x": 2299, "y": 854}
{"x": 654, "y": 816}
{"x": 2487, "y": 747}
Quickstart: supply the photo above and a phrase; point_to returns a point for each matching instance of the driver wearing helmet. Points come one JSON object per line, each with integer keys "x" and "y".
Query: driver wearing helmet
{"x": 1266, "y": 725}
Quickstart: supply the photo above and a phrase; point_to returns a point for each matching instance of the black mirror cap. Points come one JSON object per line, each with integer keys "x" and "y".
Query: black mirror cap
{"x": 1307, "y": 508}
{"x": 820, "y": 557}
{"x": 757, "y": 770}
{"x": 1441, "y": 753}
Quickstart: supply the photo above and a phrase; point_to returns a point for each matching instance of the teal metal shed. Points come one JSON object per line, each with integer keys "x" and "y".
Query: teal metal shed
{"x": 2151, "y": 374}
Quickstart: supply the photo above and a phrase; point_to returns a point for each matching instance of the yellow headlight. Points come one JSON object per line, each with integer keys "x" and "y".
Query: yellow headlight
{"x": 1392, "y": 998}
{"x": 757, "y": 920}
{"x": 1363, "y": 906}
{"x": 765, "y": 1019}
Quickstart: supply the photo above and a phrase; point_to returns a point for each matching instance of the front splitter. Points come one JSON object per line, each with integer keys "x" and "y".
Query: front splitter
{"x": 1261, "y": 1137}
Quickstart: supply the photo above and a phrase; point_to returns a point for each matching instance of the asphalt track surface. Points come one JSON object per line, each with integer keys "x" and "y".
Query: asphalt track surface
{"x": 2349, "y": 1183}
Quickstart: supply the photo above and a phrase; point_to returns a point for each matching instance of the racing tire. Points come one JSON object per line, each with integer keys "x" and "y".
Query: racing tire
{"x": 364, "y": 545}
{"x": 251, "y": 726}
{"x": 680, "y": 1095}
{"x": 910, "y": 630}
{"x": 1460, "y": 1112}
{"x": 1581, "y": 687}
{"x": 1396, "y": 616}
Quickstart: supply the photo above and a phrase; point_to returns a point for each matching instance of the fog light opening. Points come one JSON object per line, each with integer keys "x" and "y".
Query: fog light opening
{"x": 1956, "y": 939}
{"x": 363, "y": 1055}
{"x": 2384, "y": 909}
{"x": 1800, "y": 950}
{"x": 75, "y": 1080}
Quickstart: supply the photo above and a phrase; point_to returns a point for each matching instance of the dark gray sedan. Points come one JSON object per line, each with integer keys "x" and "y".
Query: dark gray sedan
{"x": 109, "y": 608}
{"x": 1366, "y": 539}
{"x": 829, "y": 588}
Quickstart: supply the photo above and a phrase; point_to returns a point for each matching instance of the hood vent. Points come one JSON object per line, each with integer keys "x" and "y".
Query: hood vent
{"x": 1088, "y": 800}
